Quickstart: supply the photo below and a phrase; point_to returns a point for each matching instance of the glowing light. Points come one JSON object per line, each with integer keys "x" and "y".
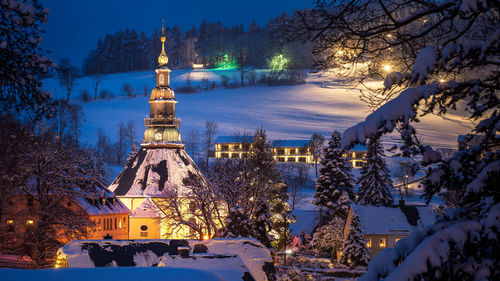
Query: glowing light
{"x": 340, "y": 52}
{"x": 279, "y": 63}
{"x": 197, "y": 65}
{"x": 387, "y": 67}
{"x": 226, "y": 62}
{"x": 205, "y": 237}
{"x": 288, "y": 251}
{"x": 442, "y": 80}
{"x": 389, "y": 35}
{"x": 10, "y": 221}
{"x": 30, "y": 222}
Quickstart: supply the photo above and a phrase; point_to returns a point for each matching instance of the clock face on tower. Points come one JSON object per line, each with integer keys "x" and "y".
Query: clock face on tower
{"x": 158, "y": 136}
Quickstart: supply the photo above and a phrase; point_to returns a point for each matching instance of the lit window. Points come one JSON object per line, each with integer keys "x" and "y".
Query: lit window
{"x": 30, "y": 222}
{"x": 162, "y": 79}
{"x": 369, "y": 243}
{"x": 397, "y": 239}
{"x": 120, "y": 224}
{"x": 382, "y": 243}
{"x": 10, "y": 221}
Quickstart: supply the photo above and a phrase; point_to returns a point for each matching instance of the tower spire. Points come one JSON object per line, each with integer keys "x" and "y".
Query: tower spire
{"x": 163, "y": 59}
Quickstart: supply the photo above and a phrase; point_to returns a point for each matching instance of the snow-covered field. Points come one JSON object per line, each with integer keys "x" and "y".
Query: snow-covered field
{"x": 286, "y": 112}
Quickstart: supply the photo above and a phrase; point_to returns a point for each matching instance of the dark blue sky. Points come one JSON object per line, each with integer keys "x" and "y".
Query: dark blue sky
{"x": 75, "y": 25}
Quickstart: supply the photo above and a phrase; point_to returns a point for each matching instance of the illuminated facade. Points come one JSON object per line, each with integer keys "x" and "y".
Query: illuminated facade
{"x": 160, "y": 168}
{"x": 284, "y": 151}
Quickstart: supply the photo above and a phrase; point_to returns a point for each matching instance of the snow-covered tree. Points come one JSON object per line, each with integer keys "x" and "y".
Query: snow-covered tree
{"x": 327, "y": 239}
{"x": 354, "y": 250}
{"x": 375, "y": 185}
{"x": 334, "y": 186}
{"x": 436, "y": 56}
{"x": 21, "y": 62}
{"x": 238, "y": 224}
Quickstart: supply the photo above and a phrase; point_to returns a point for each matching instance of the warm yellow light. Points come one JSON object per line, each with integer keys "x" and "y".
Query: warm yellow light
{"x": 369, "y": 243}
{"x": 442, "y": 80}
{"x": 382, "y": 243}
{"x": 387, "y": 67}
{"x": 288, "y": 251}
{"x": 205, "y": 237}
{"x": 340, "y": 52}
{"x": 396, "y": 240}
{"x": 10, "y": 221}
{"x": 197, "y": 65}
{"x": 389, "y": 35}
{"x": 30, "y": 222}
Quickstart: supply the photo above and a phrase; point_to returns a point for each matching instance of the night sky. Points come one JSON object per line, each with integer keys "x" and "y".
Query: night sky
{"x": 75, "y": 26}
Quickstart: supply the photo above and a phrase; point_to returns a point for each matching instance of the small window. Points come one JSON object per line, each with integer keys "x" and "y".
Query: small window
{"x": 115, "y": 224}
{"x": 119, "y": 224}
{"x": 162, "y": 79}
{"x": 144, "y": 227}
{"x": 144, "y": 234}
{"x": 225, "y": 155}
{"x": 10, "y": 225}
{"x": 368, "y": 243}
{"x": 292, "y": 151}
{"x": 281, "y": 152}
{"x": 382, "y": 243}
{"x": 291, "y": 159}
{"x": 281, "y": 159}
{"x": 302, "y": 159}
{"x": 396, "y": 240}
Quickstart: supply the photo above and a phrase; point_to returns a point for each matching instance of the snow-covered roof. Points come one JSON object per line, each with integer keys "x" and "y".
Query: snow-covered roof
{"x": 147, "y": 209}
{"x": 290, "y": 143}
{"x": 234, "y": 139}
{"x": 359, "y": 148}
{"x": 391, "y": 220}
{"x": 156, "y": 171}
{"x": 102, "y": 202}
{"x": 229, "y": 258}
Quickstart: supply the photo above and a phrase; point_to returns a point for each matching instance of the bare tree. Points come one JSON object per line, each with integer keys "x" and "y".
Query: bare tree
{"x": 316, "y": 147}
{"x": 96, "y": 79}
{"x": 209, "y": 137}
{"x": 192, "y": 140}
{"x": 67, "y": 75}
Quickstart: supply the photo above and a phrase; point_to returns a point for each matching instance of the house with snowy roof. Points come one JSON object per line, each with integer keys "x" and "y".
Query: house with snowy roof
{"x": 383, "y": 227}
{"x": 161, "y": 168}
{"x": 103, "y": 208}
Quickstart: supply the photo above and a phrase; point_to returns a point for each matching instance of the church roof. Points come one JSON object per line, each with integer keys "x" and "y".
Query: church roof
{"x": 147, "y": 209}
{"x": 157, "y": 171}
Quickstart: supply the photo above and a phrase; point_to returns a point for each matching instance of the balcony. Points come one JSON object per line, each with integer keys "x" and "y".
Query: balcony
{"x": 172, "y": 122}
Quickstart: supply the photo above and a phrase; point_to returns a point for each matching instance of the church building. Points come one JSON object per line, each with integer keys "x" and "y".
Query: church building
{"x": 160, "y": 168}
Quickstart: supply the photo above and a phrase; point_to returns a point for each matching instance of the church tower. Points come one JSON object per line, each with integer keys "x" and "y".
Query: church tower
{"x": 160, "y": 169}
{"x": 162, "y": 125}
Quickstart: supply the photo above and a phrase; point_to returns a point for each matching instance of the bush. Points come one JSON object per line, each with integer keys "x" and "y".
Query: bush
{"x": 285, "y": 77}
{"x": 200, "y": 248}
{"x": 106, "y": 94}
{"x": 85, "y": 96}
{"x": 127, "y": 90}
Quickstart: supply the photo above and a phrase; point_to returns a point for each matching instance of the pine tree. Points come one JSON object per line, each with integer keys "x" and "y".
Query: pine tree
{"x": 334, "y": 186}
{"x": 354, "y": 250}
{"x": 375, "y": 183}
{"x": 262, "y": 224}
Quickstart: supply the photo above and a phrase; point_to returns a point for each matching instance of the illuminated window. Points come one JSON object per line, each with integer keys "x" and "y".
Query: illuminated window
{"x": 397, "y": 239}
{"x": 162, "y": 79}
{"x": 119, "y": 224}
{"x": 382, "y": 243}
{"x": 30, "y": 222}
{"x": 369, "y": 243}
{"x": 10, "y": 222}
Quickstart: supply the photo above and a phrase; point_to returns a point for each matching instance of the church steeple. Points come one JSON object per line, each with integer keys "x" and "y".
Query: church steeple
{"x": 162, "y": 124}
{"x": 163, "y": 59}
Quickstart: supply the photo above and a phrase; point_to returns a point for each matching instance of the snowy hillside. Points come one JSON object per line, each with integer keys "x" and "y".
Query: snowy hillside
{"x": 286, "y": 112}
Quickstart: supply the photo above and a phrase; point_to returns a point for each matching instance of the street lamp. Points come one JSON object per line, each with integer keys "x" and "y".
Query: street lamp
{"x": 387, "y": 68}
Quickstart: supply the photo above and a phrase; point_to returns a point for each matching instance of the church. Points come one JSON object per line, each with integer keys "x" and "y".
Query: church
{"x": 160, "y": 168}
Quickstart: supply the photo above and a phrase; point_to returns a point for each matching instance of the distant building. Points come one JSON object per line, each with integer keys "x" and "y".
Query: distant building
{"x": 383, "y": 227}
{"x": 356, "y": 155}
{"x": 289, "y": 151}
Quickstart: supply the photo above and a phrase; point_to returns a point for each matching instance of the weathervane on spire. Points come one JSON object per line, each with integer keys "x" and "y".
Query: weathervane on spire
{"x": 163, "y": 59}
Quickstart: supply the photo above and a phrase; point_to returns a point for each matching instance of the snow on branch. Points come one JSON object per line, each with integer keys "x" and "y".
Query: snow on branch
{"x": 478, "y": 184}
{"x": 424, "y": 63}
{"x": 402, "y": 108}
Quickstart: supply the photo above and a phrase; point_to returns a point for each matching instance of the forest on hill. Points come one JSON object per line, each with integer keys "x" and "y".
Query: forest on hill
{"x": 210, "y": 44}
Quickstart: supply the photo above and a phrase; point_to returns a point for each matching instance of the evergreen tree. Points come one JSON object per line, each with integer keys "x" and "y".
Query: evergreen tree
{"x": 334, "y": 186}
{"x": 354, "y": 250}
{"x": 375, "y": 183}
{"x": 262, "y": 224}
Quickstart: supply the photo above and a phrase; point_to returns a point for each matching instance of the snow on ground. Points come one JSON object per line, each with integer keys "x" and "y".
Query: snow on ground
{"x": 321, "y": 105}
{"x": 109, "y": 273}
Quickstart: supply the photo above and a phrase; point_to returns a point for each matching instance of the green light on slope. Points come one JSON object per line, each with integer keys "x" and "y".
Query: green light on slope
{"x": 226, "y": 62}
{"x": 279, "y": 63}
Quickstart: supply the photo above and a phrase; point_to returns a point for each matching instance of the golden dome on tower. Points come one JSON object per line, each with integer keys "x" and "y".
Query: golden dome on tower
{"x": 163, "y": 59}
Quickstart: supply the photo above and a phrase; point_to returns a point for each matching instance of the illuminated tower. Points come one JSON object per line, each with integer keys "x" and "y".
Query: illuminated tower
{"x": 162, "y": 124}
{"x": 160, "y": 169}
